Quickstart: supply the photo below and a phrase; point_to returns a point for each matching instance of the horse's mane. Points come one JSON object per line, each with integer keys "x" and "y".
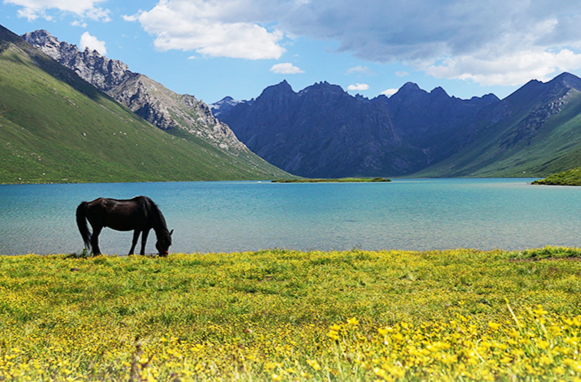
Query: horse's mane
{"x": 157, "y": 216}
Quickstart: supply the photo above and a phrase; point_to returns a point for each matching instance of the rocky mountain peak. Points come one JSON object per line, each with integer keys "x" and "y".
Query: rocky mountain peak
{"x": 408, "y": 92}
{"x": 145, "y": 97}
{"x": 41, "y": 37}
{"x": 280, "y": 88}
{"x": 224, "y": 105}
{"x": 100, "y": 71}
{"x": 277, "y": 96}
{"x": 487, "y": 98}
{"x": 410, "y": 87}
{"x": 323, "y": 87}
{"x": 567, "y": 80}
{"x": 439, "y": 91}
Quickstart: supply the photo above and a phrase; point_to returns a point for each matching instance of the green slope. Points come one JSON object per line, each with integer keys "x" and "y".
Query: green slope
{"x": 506, "y": 149}
{"x": 565, "y": 178}
{"x": 55, "y": 127}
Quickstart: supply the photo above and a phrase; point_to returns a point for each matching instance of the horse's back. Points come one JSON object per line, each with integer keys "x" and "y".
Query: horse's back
{"x": 119, "y": 214}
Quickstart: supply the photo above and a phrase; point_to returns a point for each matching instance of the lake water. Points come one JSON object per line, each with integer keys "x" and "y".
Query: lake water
{"x": 416, "y": 214}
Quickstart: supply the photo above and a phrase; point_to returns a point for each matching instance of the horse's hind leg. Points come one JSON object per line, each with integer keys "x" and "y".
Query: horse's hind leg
{"x": 144, "y": 241}
{"x": 95, "y": 241}
{"x": 134, "y": 242}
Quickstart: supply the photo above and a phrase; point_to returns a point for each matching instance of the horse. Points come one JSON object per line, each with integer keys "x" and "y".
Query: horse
{"x": 139, "y": 214}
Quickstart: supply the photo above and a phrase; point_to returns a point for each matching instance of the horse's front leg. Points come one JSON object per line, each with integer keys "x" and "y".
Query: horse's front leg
{"x": 144, "y": 240}
{"x": 134, "y": 242}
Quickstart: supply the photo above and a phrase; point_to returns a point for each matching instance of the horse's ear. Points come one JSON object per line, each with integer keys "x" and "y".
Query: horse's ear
{"x": 170, "y": 232}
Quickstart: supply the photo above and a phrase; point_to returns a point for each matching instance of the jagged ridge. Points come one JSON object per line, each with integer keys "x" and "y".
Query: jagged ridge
{"x": 322, "y": 131}
{"x": 147, "y": 98}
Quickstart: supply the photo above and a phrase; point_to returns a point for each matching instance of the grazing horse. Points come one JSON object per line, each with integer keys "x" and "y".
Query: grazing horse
{"x": 139, "y": 214}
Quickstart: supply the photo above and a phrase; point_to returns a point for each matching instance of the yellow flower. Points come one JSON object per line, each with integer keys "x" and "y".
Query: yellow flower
{"x": 543, "y": 344}
{"x": 333, "y": 335}
{"x": 493, "y": 325}
{"x": 540, "y": 311}
{"x": 353, "y": 321}
{"x": 314, "y": 364}
{"x": 517, "y": 352}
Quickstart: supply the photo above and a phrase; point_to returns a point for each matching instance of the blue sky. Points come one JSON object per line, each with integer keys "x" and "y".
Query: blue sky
{"x": 214, "y": 48}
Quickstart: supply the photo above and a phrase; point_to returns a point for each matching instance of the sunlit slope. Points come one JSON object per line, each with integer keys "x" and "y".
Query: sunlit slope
{"x": 521, "y": 143}
{"x": 564, "y": 178}
{"x": 57, "y": 128}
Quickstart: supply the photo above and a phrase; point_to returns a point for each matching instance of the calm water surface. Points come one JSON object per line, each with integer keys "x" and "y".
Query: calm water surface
{"x": 244, "y": 216}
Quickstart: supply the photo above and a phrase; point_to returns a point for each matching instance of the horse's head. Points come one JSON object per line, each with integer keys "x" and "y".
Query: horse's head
{"x": 163, "y": 243}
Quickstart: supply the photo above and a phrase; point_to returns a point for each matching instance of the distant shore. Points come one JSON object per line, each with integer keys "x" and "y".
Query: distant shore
{"x": 339, "y": 180}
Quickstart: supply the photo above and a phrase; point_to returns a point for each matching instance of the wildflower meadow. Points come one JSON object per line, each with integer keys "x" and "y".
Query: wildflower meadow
{"x": 281, "y": 315}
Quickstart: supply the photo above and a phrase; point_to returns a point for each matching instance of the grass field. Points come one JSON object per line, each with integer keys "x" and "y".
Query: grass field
{"x": 284, "y": 315}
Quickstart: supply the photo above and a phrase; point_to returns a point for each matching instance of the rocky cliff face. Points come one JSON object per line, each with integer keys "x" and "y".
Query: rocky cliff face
{"x": 322, "y": 131}
{"x": 224, "y": 105}
{"x": 147, "y": 98}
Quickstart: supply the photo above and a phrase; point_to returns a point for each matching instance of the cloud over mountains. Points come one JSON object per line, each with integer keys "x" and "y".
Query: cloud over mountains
{"x": 286, "y": 68}
{"x": 33, "y": 9}
{"x": 495, "y": 42}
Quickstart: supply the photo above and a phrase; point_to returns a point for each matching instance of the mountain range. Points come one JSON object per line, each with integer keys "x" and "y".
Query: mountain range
{"x": 57, "y": 127}
{"x": 62, "y": 112}
{"x": 322, "y": 131}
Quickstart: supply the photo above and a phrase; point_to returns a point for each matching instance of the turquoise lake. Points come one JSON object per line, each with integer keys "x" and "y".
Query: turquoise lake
{"x": 410, "y": 214}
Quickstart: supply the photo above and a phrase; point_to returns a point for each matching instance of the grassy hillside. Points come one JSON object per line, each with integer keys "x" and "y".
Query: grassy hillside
{"x": 460, "y": 315}
{"x": 54, "y": 127}
{"x": 507, "y": 149}
{"x": 565, "y": 178}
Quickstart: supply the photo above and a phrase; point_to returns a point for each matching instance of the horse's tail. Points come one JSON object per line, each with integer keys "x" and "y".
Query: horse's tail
{"x": 82, "y": 224}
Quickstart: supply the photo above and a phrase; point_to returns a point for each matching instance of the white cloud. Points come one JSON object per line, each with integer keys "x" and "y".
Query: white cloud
{"x": 358, "y": 87}
{"x": 78, "y": 23}
{"x": 359, "y": 69}
{"x": 477, "y": 40}
{"x": 510, "y": 69}
{"x": 286, "y": 68}
{"x": 503, "y": 42}
{"x": 130, "y": 18}
{"x": 33, "y": 9}
{"x": 211, "y": 28}
{"x": 402, "y": 74}
{"x": 91, "y": 42}
{"x": 389, "y": 92}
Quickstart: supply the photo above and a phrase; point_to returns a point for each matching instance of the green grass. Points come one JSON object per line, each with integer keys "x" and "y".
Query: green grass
{"x": 552, "y": 148}
{"x": 566, "y": 178}
{"x": 54, "y": 127}
{"x": 288, "y": 315}
{"x": 333, "y": 180}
